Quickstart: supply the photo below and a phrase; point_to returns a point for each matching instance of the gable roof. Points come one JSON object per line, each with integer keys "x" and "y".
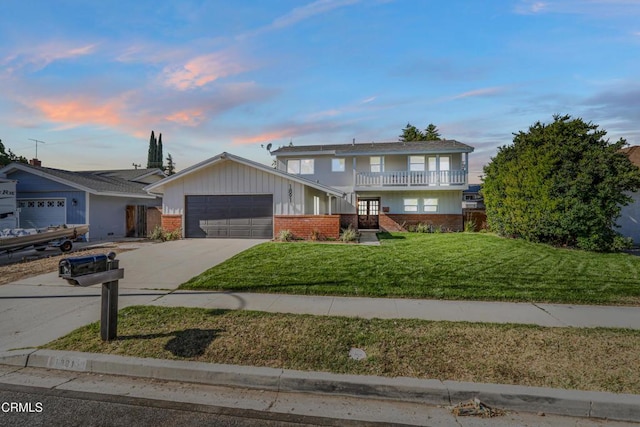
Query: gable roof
{"x": 156, "y": 187}
{"x": 106, "y": 183}
{"x": 633, "y": 153}
{"x": 378, "y": 148}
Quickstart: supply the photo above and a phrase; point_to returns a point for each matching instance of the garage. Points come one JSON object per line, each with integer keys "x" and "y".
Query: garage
{"x": 40, "y": 213}
{"x": 229, "y": 216}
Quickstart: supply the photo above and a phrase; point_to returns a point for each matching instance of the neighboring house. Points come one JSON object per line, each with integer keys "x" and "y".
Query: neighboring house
{"x": 8, "y": 213}
{"x": 629, "y": 220}
{"x": 389, "y": 185}
{"x": 112, "y": 202}
{"x": 471, "y": 197}
{"x": 316, "y": 190}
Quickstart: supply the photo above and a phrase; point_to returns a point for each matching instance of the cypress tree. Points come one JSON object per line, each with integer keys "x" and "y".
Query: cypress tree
{"x": 153, "y": 149}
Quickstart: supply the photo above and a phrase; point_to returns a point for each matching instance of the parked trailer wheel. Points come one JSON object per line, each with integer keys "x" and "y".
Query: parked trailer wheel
{"x": 66, "y": 246}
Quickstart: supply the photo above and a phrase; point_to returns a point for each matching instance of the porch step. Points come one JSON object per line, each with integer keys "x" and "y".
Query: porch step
{"x": 369, "y": 238}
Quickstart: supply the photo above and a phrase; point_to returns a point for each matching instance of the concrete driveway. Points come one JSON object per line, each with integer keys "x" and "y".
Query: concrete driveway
{"x": 39, "y": 309}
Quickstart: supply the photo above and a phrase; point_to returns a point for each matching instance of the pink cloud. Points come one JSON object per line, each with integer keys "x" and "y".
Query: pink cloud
{"x": 488, "y": 91}
{"x": 42, "y": 55}
{"x": 202, "y": 70}
{"x": 81, "y": 112}
{"x": 191, "y": 117}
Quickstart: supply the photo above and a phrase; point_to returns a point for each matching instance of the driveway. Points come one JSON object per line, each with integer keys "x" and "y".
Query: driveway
{"x": 39, "y": 309}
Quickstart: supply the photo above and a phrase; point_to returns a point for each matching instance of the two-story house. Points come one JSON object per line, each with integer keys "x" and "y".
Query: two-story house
{"x": 319, "y": 189}
{"x": 389, "y": 185}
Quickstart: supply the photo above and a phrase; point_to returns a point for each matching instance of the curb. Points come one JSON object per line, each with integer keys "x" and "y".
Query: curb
{"x": 622, "y": 407}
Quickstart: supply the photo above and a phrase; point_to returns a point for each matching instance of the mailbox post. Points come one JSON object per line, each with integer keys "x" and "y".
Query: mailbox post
{"x": 91, "y": 270}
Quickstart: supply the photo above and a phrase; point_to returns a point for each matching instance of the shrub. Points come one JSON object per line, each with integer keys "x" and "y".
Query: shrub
{"x": 349, "y": 234}
{"x": 161, "y": 234}
{"x": 469, "y": 226}
{"x": 316, "y": 235}
{"x": 423, "y": 228}
{"x": 285, "y": 236}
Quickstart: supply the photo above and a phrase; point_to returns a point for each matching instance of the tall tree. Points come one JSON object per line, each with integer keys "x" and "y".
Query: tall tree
{"x": 170, "y": 169}
{"x": 7, "y": 156}
{"x": 153, "y": 149}
{"x": 560, "y": 183}
{"x": 431, "y": 133}
{"x": 159, "y": 159}
{"x": 411, "y": 133}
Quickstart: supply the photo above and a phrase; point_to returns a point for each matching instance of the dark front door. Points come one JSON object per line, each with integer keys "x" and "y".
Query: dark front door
{"x": 368, "y": 211}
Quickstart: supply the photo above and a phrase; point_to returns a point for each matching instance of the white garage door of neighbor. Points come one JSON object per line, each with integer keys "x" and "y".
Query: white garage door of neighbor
{"x": 38, "y": 213}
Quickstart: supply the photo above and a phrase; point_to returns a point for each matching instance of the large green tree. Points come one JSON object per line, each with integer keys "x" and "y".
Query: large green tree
{"x": 7, "y": 156}
{"x": 561, "y": 183}
{"x": 154, "y": 156}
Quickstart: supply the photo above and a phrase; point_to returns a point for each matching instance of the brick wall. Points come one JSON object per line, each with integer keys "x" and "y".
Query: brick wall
{"x": 479, "y": 216}
{"x": 400, "y": 222}
{"x": 347, "y": 220}
{"x": 171, "y": 222}
{"x": 303, "y": 226}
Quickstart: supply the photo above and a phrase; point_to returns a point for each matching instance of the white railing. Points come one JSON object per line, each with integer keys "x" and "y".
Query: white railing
{"x": 410, "y": 178}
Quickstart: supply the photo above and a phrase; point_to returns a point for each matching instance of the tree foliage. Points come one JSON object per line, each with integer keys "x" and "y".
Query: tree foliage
{"x": 560, "y": 183}
{"x": 170, "y": 169}
{"x": 154, "y": 156}
{"x": 7, "y": 156}
{"x": 412, "y": 133}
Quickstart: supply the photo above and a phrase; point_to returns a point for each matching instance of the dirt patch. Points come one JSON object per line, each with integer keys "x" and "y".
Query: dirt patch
{"x": 24, "y": 268}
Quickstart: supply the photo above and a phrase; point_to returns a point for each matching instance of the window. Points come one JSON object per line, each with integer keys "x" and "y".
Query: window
{"x": 300, "y": 166}
{"x": 337, "y": 165}
{"x": 60, "y": 203}
{"x": 316, "y": 205}
{"x": 416, "y": 163}
{"x": 411, "y": 205}
{"x": 430, "y": 205}
{"x": 293, "y": 166}
{"x": 306, "y": 167}
{"x": 377, "y": 163}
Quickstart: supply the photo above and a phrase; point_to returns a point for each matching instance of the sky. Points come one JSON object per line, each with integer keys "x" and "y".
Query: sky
{"x": 92, "y": 79}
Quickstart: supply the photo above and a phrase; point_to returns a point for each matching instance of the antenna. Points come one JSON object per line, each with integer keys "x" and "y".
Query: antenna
{"x": 135, "y": 165}
{"x": 37, "y": 142}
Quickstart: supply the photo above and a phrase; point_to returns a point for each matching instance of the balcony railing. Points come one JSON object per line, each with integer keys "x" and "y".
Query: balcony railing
{"x": 410, "y": 178}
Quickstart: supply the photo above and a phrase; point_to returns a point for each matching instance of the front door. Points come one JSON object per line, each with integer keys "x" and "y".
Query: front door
{"x": 368, "y": 211}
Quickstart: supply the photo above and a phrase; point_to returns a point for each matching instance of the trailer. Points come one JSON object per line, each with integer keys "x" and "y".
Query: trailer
{"x": 61, "y": 237}
{"x": 8, "y": 211}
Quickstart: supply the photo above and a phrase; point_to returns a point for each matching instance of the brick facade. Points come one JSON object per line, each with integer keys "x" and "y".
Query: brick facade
{"x": 303, "y": 226}
{"x": 400, "y": 222}
{"x": 171, "y": 222}
{"x": 347, "y": 220}
{"x": 479, "y": 216}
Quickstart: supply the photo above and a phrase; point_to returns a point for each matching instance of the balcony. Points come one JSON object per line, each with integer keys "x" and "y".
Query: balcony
{"x": 399, "y": 179}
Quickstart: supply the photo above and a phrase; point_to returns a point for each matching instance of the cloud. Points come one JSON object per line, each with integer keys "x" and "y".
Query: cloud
{"x": 38, "y": 57}
{"x": 529, "y": 7}
{"x": 595, "y": 8}
{"x": 299, "y": 14}
{"x": 289, "y": 131}
{"x": 77, "y": 112}
{"x": 488, "y": 91}
{"x": 202, "y": 70}
{"x": 192, "y": 117}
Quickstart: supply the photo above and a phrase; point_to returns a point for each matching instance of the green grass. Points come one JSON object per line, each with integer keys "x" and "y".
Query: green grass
{"x": 445, "y": 266}
{"x": 585, "y": 359}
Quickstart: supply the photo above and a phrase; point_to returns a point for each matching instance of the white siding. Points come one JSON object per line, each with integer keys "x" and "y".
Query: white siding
{"x": 229, "y": 177}
{"x": 449, "y": 202}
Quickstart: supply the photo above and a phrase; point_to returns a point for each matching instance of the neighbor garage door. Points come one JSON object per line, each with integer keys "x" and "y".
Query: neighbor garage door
{"x": 237, "y": 216}
{"x": 40, "y": 213}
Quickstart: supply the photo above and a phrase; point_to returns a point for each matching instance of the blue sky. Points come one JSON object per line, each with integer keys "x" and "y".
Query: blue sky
{"x": 92, "y": 79}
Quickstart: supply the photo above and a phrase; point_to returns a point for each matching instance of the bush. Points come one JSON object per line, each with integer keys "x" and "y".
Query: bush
{"x": 469, "y": 226}
{"x": 316, "y": 235}
{"x": 423, "y": 228}
{"x": 159, "y": 233}
{"x": 349, "y": 234}
{"x": 285, "y": 236}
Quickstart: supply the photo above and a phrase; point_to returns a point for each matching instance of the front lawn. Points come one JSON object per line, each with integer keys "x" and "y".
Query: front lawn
{"x": 573, "y": 358}
{"x": 466, "y": 266}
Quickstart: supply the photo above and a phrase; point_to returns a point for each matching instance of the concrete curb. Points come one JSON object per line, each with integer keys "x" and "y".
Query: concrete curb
{"x": 622, "y": 407}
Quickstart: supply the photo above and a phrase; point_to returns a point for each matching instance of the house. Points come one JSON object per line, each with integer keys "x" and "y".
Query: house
{"x": 388, "y": 185}
{"x": 473, "y": 208}
{"x": 319, "y": 189}
{"x": 112, "y": 202}
{"x": 8, "y": 213}
{"x": 471, "y": 197}
{"x": 629, "y": 220}
{"x": 230, "y": 196}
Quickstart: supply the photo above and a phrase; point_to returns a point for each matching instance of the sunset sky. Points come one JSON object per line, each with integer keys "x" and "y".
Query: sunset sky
{"x": 92, "y": 79}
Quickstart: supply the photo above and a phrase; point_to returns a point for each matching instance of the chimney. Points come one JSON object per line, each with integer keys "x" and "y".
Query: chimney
{"x": 35, "y": 162}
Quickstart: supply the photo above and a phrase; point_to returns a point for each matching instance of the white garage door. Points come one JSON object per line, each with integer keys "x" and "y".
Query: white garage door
{"x": 38, "y": 213}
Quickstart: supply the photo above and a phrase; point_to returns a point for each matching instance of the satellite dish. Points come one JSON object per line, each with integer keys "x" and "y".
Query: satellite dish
{"x": 269, "y": 147}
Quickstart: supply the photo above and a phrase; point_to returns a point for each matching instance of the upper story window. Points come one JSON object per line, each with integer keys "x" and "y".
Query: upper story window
{"x": 300, "y": 166}
{"x": 416, "y": 163}
{"x": 337, "y": 165}
{"x": 377, "y": 163}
